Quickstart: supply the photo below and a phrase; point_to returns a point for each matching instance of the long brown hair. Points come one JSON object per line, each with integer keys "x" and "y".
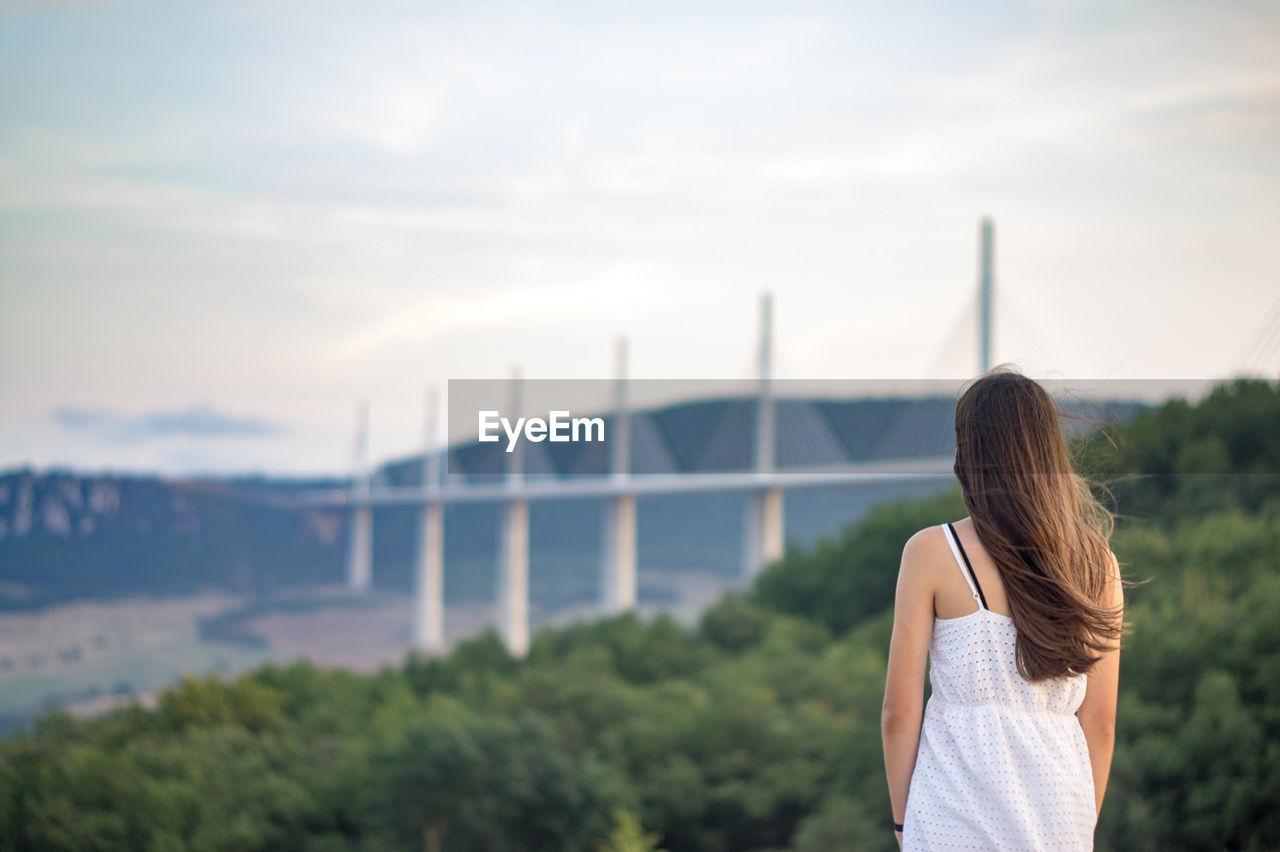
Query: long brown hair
{"x": 1039, "y": 520}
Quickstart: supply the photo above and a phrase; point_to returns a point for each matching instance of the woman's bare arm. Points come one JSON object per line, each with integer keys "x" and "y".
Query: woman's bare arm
{"x": 1097, "y": 712}
{"x": 908, "y": 656}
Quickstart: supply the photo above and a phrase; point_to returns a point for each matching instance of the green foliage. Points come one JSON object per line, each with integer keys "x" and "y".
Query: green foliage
{"x": 756, "y": 731}
{"x": 203, "y": 702}
{"x": 486, "y": 783}
{"x": 639, "y": 653}
{"x": 629, "y": 836}
{"x": 1179, "y": 461}
{"x": 471, "y": 669}
{"x": 840, "y": 583}
{"x": 840, "y": 820}
{"x": 735, "y": 623}
{"x": 1198, "y": 738}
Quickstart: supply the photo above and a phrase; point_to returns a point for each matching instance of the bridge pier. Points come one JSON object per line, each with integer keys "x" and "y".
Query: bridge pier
{"x": 428, "y": 599}
{"x": 619, "y": 562}
{"x": 360, "y": 550}
{"x": 763, "y": 531}
{"x": 513, "y": 578}
{"x": 428, "y": 616}
{"x": 360, "y": 547}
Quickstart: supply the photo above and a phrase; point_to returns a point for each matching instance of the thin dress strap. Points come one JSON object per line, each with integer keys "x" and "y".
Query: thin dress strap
{"x": 962, "y": 559}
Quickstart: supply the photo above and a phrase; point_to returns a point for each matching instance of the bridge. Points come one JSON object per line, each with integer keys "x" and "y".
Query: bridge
{"x": 764, "y": 483}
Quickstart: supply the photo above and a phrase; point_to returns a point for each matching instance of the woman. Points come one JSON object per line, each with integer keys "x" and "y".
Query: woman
{"x": 1018, "y": 609}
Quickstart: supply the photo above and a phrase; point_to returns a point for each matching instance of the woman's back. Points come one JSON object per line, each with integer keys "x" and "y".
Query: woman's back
{"x": 973, "y": 651}
{"x": 954, "y": 596}
{"x": 1003, "y": 762}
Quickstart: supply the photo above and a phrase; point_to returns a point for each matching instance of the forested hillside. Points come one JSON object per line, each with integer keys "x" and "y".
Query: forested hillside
{"x": 758, "y": 730}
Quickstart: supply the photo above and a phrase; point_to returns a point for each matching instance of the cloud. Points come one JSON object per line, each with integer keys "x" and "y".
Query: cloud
{"x": 384, "y": 198}
{"x": 197, "y": 421}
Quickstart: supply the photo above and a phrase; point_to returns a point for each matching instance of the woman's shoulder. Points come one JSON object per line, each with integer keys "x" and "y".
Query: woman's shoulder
{"x": 932, "y": 537}
{"x": 926, "y": 546}
{"x": 925, "y": 538}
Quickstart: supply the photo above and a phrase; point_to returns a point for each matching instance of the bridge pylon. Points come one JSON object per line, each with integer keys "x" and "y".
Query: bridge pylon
{"x": 764, "y": 523}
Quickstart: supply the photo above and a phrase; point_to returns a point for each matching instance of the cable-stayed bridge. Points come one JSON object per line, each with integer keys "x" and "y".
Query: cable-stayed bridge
{"x": 754, "y": 442}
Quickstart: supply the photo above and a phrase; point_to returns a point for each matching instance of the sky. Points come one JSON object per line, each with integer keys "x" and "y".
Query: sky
{"x": 223, "y": 225}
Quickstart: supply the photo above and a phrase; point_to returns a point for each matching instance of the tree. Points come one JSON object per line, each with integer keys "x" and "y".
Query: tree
{"x": 491, "y": 784}
{"x": 628, "y": 835}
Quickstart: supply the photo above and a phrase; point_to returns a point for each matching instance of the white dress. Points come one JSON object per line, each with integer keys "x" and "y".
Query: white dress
{"x": 1003, "y": 762}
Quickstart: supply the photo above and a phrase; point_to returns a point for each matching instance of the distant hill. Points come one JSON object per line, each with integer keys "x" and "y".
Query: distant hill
{"x": 65, "y": 536}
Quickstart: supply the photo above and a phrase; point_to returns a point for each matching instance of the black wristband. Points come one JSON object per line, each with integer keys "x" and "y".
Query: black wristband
{"x": 897, "y": 826}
